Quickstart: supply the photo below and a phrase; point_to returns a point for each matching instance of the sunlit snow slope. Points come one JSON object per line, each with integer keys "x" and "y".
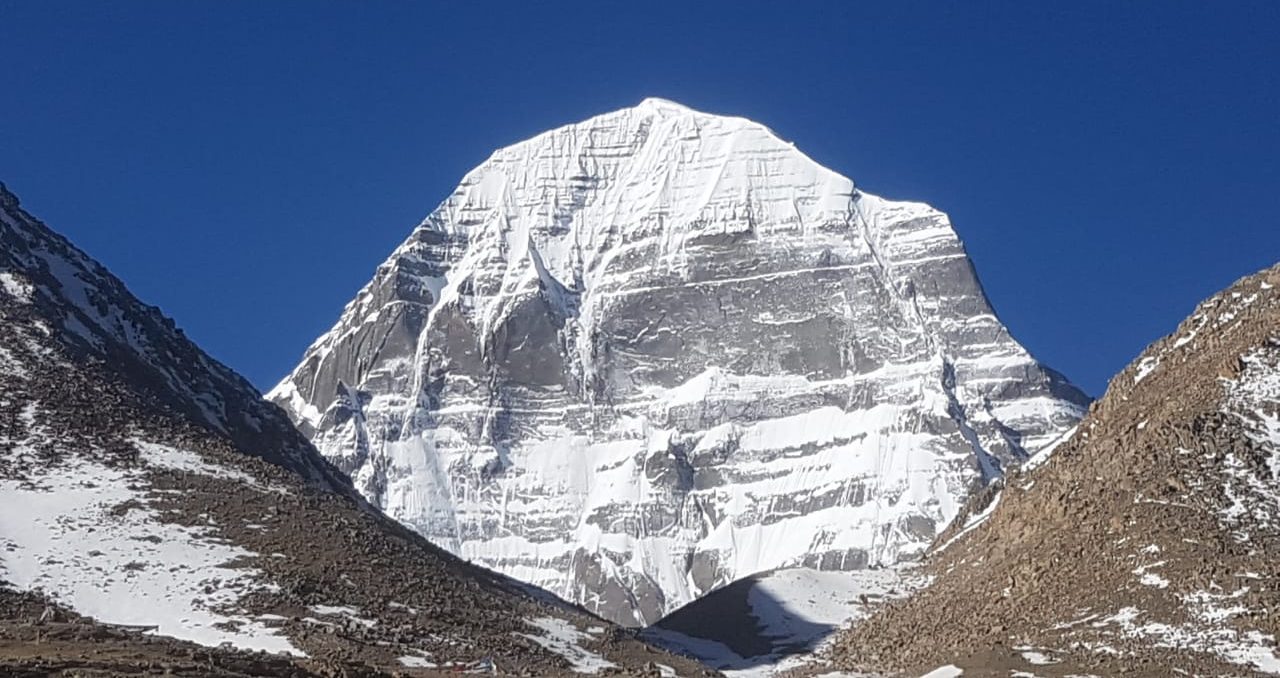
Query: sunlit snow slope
{"x": 636, "y": 358}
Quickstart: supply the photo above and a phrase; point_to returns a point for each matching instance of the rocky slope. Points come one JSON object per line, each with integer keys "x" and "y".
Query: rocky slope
{"x": 636, "y": 358}
{"x": 1147, "y": 542}
{"x": 154, "y": 503}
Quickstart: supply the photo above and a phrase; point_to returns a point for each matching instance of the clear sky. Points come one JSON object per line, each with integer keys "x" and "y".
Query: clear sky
{"x": 246, "y": 165}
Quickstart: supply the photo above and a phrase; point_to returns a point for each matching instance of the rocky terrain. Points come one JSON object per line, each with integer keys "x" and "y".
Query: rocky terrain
{"x": 1146, "y": 542}
{"x": 160, "y": 517}
{"x": 637, "y": 358}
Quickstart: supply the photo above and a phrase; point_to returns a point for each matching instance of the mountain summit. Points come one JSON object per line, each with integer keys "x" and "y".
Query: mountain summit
{"x": 636, "y": 358}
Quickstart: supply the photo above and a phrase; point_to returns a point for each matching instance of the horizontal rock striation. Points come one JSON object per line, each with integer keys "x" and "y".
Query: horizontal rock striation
{"x": 636, "y": 358}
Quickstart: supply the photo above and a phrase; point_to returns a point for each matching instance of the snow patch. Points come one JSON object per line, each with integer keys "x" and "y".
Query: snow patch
{"x": 343, "y": 611}
{"x": 1246, "y": 648}
{"x": 1147, "y": 578}
{"x": 16, "y": 286}
{"x": 70, "y": 535}
{"x": 187, "y": 461}
{"x": 417, "y": 662}
{"x": 1146, "y": 366}
{"x": 1153, "y": 579}
{"x": 1036, "y": 657}
{"x": 563, "y": 638}
{"x": 1254, "y": 398}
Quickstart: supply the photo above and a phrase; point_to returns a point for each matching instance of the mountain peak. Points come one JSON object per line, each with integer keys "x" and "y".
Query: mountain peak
{"x": 664, "y": 106}
{"x": 641, "y": 141}
{"x": 691, "y": 351}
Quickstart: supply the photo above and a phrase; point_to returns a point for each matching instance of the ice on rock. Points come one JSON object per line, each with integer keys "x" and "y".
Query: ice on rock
{"x": 636, "y": 358}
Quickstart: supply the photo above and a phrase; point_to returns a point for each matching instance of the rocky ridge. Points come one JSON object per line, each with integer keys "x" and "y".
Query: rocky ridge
{"x": 1144, "y": 543}
{"x": 95, "y": 320}
{"x": 639, "y": 357}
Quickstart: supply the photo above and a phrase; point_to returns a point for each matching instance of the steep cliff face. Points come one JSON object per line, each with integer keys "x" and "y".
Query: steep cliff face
{"x": 636, "y": 358}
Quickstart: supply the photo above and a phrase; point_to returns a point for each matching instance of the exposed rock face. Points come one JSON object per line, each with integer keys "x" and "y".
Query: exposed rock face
{"x": 1147, "y": 541}
{"x": 634, "y": 359}
{"x": 147, "y": 487}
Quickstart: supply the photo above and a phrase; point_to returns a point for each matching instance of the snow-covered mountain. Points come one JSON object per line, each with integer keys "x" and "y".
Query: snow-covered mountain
{"x": 152, "y": 502}
{"x": 636, "y": 358}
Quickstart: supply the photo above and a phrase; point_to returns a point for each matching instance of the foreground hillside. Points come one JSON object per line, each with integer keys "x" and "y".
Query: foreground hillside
{"x": 1148, "y": 541}
{"x": 154, "y": 504}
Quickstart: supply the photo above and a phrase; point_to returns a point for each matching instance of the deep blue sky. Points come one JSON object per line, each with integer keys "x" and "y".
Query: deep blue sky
{"x": 246, "y": 165}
